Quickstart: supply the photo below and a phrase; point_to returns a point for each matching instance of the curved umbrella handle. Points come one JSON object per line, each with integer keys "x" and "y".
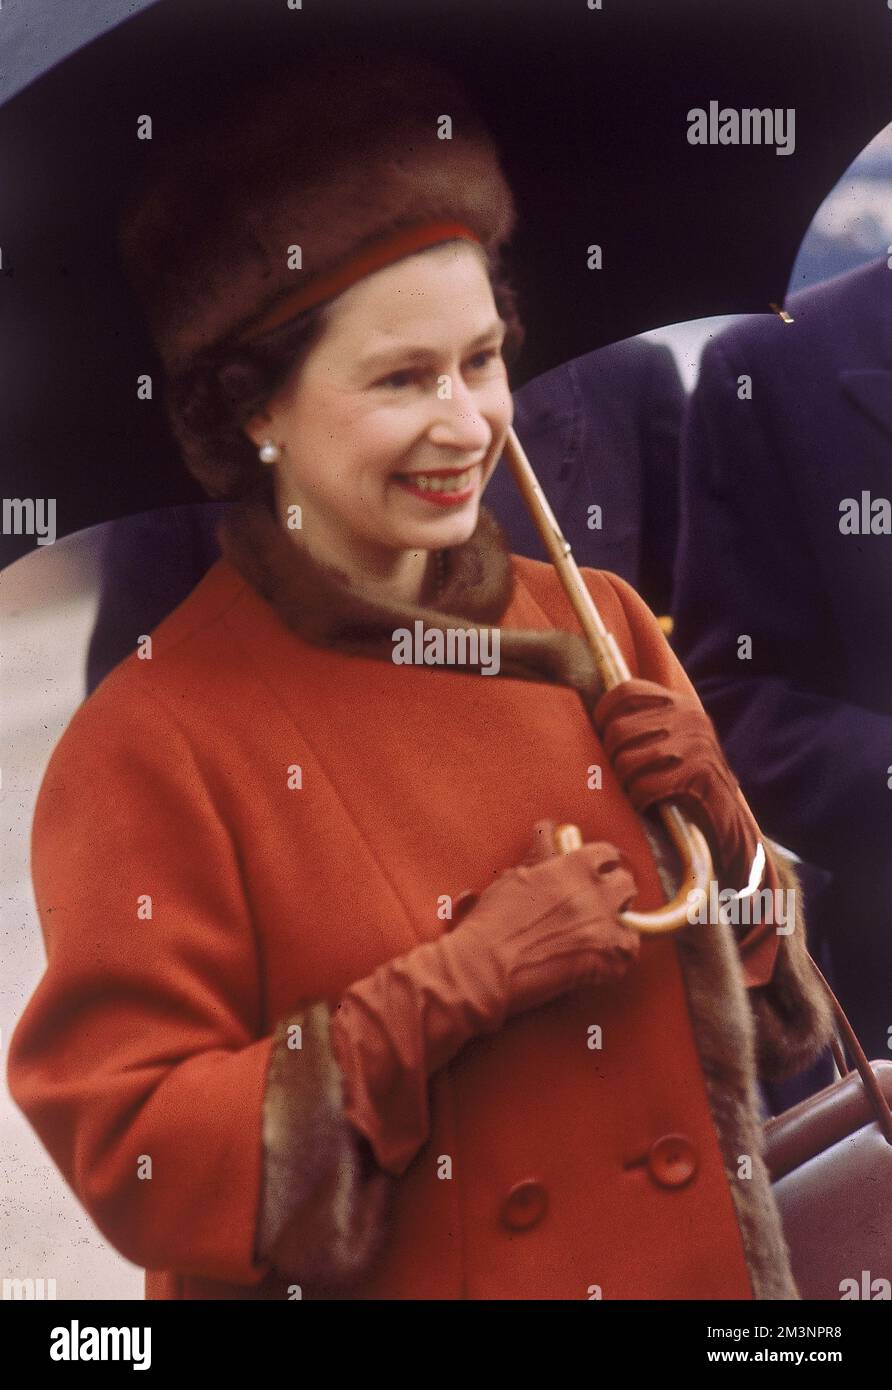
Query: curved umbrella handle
{"x": 693, "y": 851}
{"x": 695, "y": 856}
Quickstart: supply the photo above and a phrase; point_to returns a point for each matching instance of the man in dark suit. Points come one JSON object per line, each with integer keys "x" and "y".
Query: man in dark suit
{"x": 783, "y": 601}
{"x": 601, "y": 432}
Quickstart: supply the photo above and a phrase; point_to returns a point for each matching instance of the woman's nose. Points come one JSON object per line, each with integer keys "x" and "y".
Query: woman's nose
{"x": 460, "y": 420}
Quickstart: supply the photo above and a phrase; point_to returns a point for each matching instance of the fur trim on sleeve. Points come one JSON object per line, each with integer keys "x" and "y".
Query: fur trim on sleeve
{"x": 324, "y": 1202}
{"x": 792, "y": 1015}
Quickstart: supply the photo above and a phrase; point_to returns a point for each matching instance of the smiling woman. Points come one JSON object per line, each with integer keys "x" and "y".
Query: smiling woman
{"x": 210, "y": 402}
{"x": 321, "y": 1015}
{"x": 388, "y": 467}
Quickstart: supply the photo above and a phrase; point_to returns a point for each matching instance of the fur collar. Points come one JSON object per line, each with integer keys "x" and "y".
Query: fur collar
{"x": 318, "y": 602}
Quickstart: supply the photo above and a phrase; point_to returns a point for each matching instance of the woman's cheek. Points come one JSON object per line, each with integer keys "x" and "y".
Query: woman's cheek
{"x": 387, "y": 433}
{"x": 497, "y": 403}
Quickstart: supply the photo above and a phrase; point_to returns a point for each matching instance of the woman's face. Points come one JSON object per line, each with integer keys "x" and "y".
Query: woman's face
{"x": 405, "y": 393}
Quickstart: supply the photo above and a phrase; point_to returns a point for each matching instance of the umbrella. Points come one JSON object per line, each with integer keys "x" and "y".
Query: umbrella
{"x": 695, "y": 867}
{"x": 589, "y": 101}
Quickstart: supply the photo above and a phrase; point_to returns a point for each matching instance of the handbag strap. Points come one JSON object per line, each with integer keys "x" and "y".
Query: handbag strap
{"x": 859, "y": 1057}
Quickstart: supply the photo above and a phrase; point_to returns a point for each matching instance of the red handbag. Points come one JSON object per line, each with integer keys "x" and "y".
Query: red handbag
{"x": 830, "y": 1160}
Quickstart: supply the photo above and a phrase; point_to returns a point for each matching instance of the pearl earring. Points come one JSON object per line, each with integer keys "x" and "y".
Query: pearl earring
{"x": 269, "y": 452}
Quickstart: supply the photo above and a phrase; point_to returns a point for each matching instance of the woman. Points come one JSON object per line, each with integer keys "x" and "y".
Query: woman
{"x": 320, "y": 1018}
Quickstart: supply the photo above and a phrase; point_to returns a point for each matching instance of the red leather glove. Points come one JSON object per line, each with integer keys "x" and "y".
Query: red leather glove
{"x": 538, "y": 931}
{"x": 663, "y": 746}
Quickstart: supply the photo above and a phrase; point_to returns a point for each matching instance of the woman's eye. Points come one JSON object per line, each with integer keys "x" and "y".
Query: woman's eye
{"x": 406, "y": 376}
{"x": 397, "y": 379}
{"x": 483, "y": 359}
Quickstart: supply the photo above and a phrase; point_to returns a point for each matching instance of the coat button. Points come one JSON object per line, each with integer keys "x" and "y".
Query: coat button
{"x": 672, "y": 1160}
{"x": 524, "y": 1205}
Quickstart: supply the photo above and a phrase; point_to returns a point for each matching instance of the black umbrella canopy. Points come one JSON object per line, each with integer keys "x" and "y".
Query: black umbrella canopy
{"x": 589, "y": 107}
{"x": 35, "y": 37}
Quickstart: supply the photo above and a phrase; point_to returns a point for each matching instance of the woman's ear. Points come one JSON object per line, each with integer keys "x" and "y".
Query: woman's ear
{"x": 258, "y": 428}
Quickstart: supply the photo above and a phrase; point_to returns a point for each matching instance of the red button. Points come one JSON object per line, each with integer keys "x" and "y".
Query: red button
{"x": 672, "y": 1160}
{"x": 525, "y": 1204}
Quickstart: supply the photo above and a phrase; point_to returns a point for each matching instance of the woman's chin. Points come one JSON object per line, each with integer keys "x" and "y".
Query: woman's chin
{"x": 456, "y": 530}
{"x": 441, "y": 533}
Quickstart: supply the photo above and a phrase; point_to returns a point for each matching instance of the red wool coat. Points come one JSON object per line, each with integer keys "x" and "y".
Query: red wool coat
{"x": 194, "y": 888}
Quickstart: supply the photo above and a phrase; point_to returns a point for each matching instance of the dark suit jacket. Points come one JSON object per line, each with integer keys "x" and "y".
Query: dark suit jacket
{"x": 806, "y": 723}
{"x": 600, "y": 430}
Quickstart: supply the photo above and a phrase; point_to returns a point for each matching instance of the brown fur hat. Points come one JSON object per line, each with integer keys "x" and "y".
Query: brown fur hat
{"x": 327, "y": 159}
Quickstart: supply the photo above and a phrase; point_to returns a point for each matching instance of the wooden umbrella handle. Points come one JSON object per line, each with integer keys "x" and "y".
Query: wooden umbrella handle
{"x": 568, "y": 837}
{"x": 687, "y": 839}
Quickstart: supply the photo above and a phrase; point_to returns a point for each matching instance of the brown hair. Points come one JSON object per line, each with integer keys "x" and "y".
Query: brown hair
{"x": 209, "y": 404}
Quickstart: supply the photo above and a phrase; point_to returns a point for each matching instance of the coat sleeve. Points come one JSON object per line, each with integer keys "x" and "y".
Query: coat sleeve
{"x": 793, "y": 1019}
{"x": 141, "y": 1060}
{"x": 325, "y": 1202}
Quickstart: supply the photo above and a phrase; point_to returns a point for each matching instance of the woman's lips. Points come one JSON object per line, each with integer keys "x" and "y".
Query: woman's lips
{"x": 445, "y": 487}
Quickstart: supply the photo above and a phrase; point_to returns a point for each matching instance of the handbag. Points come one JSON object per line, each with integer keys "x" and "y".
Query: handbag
{"x": 830, "y": 1162}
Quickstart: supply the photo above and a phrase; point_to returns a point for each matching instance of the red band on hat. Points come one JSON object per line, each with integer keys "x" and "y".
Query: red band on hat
{"x": 384, "y": 252}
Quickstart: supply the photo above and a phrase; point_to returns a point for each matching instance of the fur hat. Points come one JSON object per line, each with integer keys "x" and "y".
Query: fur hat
{"x": 327, "y": 159}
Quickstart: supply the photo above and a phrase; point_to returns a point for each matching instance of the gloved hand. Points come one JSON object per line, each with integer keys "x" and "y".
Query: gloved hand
{"x": 663, "y": 746}
{"x": 541, "y": 929}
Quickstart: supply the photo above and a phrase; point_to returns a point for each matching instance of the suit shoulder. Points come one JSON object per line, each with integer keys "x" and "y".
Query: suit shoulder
{"x": 635, "y": 360}
{"x": 819, "y": 313}
{"x": 865, "y": 284}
